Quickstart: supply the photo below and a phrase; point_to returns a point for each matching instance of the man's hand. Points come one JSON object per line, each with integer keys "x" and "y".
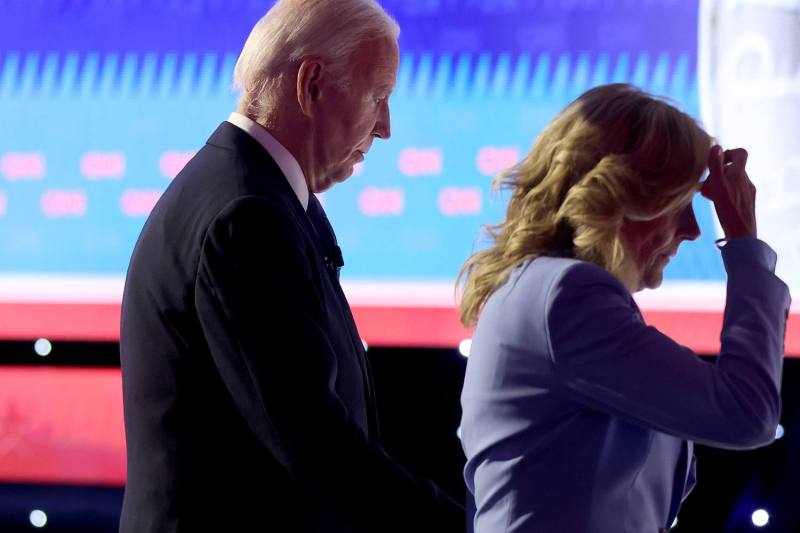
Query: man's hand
{"x": 732, "y": 192}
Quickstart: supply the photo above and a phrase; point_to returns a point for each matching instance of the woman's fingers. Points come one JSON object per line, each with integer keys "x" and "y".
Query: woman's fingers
{"x": 736, "y": 156}
{"x": 715, "y": 171}
{"x": 715, "y": 161}
{"x": 731, "y": 191}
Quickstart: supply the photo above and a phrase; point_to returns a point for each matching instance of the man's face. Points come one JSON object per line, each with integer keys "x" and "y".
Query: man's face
{"x": 350, "y": 118}
{"x": 651, "y": 244}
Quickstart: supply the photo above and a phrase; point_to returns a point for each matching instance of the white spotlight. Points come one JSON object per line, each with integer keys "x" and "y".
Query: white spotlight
{"x": 364, "y": 343}
{"x": 38, "y": 518}
{"x": 464, "y": 347}
{"x": 760, "y": 517}
{"x": 674, "y": 523}
{"x": 42, "y": 347}
{"x": 779, "y": 431}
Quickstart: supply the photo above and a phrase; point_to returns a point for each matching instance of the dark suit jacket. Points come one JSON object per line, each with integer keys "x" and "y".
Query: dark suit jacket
{"x": 248, "y": 398}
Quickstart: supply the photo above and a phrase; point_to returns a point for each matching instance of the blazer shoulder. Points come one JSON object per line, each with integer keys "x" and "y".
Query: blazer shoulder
{"x": 573, "y": 284}
{"x": 555, "y": 277}
{"x": 574, "y": 276}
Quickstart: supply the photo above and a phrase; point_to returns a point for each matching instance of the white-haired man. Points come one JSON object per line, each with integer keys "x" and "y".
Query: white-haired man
{"x": 249, "y": 404}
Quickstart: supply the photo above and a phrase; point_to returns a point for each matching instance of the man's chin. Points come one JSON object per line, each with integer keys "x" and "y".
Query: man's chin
{"x": 325, "y": 183}
{"x": 341, "y": 176}
{"x": 332, "y": 179}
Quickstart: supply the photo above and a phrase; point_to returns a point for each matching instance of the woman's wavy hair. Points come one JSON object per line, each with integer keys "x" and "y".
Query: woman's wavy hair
{"x": 615, "y": 153}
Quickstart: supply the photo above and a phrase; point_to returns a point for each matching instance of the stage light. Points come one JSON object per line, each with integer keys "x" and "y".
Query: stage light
{"x": 458, "y": 432}
{"x": 779, "y": 432}
{"x": 42, "y": 347}
{"x": 38, "y": 518}
{"x": 364, "y": 343}
{"x": 464, "y": 347}
{"x": 674, "y": 523}
{"x": 760, "y": 517}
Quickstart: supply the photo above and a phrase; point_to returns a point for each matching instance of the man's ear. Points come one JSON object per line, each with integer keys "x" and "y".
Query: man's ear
{"x": 309, "y": 84}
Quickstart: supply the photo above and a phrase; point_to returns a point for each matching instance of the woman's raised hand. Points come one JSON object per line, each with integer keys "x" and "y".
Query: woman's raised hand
{"x": 732, "y": 192}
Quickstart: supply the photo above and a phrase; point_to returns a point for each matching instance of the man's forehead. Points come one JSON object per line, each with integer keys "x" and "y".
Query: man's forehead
{"x": 375, "y": 62}
{"x": 386, "y": 78}
{"x": 384, "y": 70}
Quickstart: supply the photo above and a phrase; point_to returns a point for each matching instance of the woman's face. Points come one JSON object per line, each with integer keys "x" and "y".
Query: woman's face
{"x": 649, "y": 245}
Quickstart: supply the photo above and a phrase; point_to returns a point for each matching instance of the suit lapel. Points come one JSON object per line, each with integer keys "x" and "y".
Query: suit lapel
{"x": 328, "y": 246}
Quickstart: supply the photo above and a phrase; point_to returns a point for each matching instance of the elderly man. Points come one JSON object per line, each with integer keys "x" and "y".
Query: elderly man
{"x": 249, "y": 404}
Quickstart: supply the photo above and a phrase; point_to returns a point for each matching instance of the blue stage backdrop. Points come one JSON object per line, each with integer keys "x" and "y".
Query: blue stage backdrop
{"x": 103, "y": 101}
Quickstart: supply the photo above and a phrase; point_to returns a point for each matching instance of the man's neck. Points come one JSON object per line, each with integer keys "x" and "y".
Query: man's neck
{"x": 295, "y": 137}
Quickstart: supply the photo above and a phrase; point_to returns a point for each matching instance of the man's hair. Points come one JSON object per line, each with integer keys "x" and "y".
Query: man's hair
{"x": 615, "y": 153}
{"x": 295, "y": 29}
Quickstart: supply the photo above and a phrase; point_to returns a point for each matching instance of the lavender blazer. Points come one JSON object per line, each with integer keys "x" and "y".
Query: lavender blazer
{"x": 579, "y": 417}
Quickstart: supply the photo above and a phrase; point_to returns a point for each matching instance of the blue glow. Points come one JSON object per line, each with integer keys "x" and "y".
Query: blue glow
{"x": 95, "y": 129}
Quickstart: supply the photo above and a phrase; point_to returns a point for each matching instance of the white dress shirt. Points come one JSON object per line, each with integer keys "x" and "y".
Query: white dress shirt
{"x": 285, "y": 160}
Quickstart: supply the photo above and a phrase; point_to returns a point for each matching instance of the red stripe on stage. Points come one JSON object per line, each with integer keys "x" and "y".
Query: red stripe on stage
{"x": 65, "y": 425}
{"x": 379, "y": 326}
{"x": 61, "y": 425}
{"x": 60, "y": 321}
{"x": 430, "y": 327}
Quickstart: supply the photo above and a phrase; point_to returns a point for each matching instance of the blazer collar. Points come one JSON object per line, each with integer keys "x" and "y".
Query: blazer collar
{"x": 257, "y": 159}
{"x": 283, "y": 157}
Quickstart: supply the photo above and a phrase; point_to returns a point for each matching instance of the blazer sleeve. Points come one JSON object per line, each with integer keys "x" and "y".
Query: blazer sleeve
{"x": 263, "y": 319}
{"x": 610, "y": 360}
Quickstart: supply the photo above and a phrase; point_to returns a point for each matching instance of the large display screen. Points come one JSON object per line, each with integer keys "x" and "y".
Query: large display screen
{"x": 102, "y": 103}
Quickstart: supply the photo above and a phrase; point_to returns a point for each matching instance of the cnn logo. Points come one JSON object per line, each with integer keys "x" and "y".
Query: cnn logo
{"x": 420, "y": 161}
{"x": 138, "y": 202}
{"x": 172, "y": 162}
{"x": 375, "y": 202}
{"x": 492, "y": 160}
{"x": 103, "y": 165}
{"x": 63, "y": 203}
{"x": 454, "y": 201}
{"x": 19, "y": 166}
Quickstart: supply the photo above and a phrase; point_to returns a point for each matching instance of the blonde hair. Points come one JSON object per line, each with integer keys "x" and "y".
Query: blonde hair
{"x": 615, "y": 153}
{"x": 294, "y": 29}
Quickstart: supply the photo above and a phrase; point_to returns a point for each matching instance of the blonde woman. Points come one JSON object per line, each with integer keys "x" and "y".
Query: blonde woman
{"x": 577, "y": 416}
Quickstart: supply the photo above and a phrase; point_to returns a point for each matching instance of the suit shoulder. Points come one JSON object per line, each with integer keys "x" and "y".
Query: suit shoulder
{"x": 555, "y": 271}
{"x": 566, "y": 280}
{"x": 263, "y": 215}
{"x": 573, "y": 273}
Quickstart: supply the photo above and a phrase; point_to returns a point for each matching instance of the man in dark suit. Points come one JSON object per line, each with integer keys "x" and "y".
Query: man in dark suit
{"x": 249, "y": 404}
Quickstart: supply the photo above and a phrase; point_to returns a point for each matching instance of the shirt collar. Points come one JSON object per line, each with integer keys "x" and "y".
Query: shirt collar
{"x": 285, "y": 160}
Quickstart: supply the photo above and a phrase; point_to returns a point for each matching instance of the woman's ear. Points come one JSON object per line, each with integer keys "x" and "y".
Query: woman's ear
{"x": 309, "y": 84}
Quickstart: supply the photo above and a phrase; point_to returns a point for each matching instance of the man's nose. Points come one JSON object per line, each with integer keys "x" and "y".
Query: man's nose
{"x": 383, "y": 126}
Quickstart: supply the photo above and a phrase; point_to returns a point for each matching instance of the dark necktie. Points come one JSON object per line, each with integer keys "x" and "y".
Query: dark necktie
{"x": 332, "y": 254}
{"x": 334, "y": 262}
